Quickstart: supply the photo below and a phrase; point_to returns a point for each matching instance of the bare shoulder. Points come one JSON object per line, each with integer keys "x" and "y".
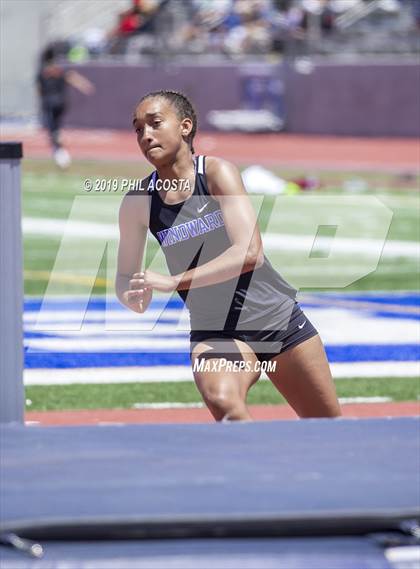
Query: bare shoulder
{"x": 223, "y": 177}
{"x": 216, "y": 167}
{"x": 135, "y": 206}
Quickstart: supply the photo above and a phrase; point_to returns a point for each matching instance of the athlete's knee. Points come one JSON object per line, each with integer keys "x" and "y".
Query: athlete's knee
{"x": 226, "y": 402}
{"x": 219, "y": 398}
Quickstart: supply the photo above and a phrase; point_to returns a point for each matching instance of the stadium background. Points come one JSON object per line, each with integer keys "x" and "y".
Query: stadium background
{"x": 275, "y": 84}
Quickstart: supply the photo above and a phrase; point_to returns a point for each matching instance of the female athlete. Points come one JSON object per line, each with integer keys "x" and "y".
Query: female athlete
{"x": 242, "y": 312}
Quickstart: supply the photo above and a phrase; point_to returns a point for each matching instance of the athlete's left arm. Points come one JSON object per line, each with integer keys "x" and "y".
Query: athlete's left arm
{"x": 246, "y": 251}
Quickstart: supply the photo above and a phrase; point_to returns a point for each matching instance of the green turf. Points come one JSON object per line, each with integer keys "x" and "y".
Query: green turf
{"x": 125, "y": 395}
{"x": 49, "y": 194}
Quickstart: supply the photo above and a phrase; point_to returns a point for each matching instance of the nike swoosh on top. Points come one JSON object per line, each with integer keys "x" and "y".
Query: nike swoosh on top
{"x": 300, "y": 326}
{"x": 200, "y": 209}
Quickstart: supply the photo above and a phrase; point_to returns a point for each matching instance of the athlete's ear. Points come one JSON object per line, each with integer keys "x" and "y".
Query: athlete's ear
{"x": 186, "y": 126}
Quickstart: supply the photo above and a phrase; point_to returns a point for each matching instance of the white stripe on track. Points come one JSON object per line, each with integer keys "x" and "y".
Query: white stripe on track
{"x": 172, "y": 405}
{"x": 336, "y": 325}
{"x": 71, "y": 228}
{"x": 111, "y": 315}
{"x": 350, "y": 400}
{"x": 176, "y": 405}
{"x": 368, "y": 247}
{"x": 158, "y": 374}
{"x": 107, "y": 343}
{"x": 152, "y": 374}
{"x": 272, "y": 241}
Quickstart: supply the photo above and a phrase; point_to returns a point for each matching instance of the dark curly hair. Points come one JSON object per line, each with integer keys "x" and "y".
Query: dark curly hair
{"x": 183, "y": 107}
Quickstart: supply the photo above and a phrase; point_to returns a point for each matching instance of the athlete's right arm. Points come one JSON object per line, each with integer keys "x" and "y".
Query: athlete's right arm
{"x": 133, "y": 223}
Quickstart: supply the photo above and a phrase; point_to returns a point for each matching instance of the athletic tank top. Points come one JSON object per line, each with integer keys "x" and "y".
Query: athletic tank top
{"x": 192, "y": 233}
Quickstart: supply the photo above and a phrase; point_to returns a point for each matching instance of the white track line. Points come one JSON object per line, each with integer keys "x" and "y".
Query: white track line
{"x": 272, "y": 241}
{"x": 158, "y": 374}
{"x": 71, "y": 228}
{"x": 176, "y": 405}
{"x": 350, "y": 400}
{"x": 173, "y": 405}
{"x": 367, "y": 247}
{"x": 66, "y": 331}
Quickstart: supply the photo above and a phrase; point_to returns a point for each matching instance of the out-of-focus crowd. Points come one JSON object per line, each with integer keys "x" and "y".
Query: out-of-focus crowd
{"x": 235, "y": 28}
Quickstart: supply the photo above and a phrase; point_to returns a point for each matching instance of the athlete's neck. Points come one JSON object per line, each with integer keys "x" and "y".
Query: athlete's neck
{"x": 182, "y": 168}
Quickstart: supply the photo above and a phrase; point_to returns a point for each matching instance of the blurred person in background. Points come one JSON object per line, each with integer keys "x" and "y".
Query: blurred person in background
{"x": 203, "y": 27}
{"x": 52, "y": 80}
{"x": 232, "y": 27}
{"x": 253, "y": 32}
{"x": 137, "y": 19}
{"x": 415, "y": 6}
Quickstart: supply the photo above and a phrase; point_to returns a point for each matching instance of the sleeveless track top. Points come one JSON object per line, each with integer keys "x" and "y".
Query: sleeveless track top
{"x": 192, "y": 233}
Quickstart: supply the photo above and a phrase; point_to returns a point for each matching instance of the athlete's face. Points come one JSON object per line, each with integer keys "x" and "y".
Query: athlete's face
{"x": 160, "y": 132}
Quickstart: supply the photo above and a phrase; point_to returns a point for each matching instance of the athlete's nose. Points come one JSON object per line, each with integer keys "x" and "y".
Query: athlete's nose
{"x": 147, "y": 134}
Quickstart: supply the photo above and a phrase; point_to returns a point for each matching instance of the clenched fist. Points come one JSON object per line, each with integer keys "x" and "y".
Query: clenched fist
{"x": 142, "y": 286}
{"x": 139, "y": 295}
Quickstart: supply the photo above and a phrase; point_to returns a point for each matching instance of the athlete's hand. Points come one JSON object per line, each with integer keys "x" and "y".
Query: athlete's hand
{"x": 139, "y": 295}
{"x": 156, "y": 281}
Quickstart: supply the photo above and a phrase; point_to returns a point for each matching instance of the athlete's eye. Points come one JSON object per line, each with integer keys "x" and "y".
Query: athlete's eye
{"x": 156, "y": 123}
{"x": 139, "y": 130}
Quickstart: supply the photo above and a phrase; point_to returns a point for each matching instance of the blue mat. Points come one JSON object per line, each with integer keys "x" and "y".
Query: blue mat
{"x": 259, "y": 480}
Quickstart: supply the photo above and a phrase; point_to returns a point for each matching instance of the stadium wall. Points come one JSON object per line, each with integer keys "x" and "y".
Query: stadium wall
{"x": 361, "y": 99}
{"x": 119, "y": 88}
{"x": 356, "y": 99}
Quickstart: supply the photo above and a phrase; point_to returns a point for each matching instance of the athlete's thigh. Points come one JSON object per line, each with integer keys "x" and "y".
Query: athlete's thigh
{"x": 235, "y": 383}
{"x": 302, "y": 374}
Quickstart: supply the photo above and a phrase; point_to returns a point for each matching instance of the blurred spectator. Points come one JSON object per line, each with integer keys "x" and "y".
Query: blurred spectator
{"x": 52, "y": 81}
{"x": 136, "y": 19}
{"x": 239, "y": 28}
{"x": 253, "y": 34}
{"x": 233, "y": 27}
{"x": 202, "y": 25}
{"x": 95, "y": 41}
{"x": 416, "y": 12}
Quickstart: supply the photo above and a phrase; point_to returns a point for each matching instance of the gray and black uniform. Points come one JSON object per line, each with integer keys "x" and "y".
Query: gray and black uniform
{"x": 52, "y": 90}
{"x": 258, "y": 307}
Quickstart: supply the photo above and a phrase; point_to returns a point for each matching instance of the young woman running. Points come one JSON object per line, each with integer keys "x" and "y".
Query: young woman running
{"x": 242, "y": 312}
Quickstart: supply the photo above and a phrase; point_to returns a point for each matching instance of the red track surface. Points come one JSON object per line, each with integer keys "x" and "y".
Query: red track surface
{"x": 258, "y": 412}
{"x": 323, "y": 152}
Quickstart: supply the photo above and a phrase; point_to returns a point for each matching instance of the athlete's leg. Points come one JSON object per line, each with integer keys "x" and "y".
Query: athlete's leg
{"x": 57, "y": 119}
{"x": 48, "y": 120}
{"x": 303, "y": 377}
{"x": 224, "y": 391}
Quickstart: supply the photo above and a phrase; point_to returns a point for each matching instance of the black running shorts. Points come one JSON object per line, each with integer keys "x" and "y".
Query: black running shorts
{"x": 275, "y": 341}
